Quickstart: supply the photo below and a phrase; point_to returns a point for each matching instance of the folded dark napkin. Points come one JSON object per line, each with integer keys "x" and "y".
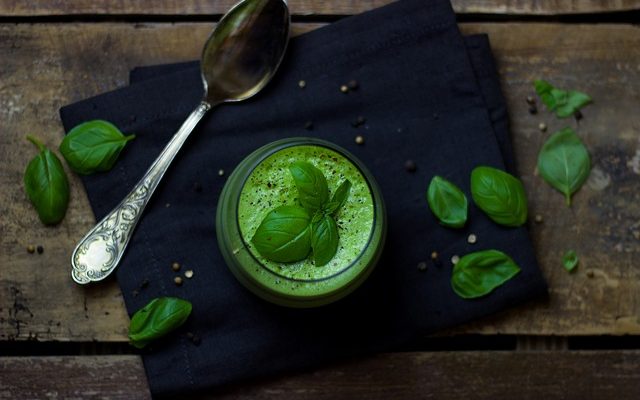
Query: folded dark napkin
{"x": 427, "y": 94}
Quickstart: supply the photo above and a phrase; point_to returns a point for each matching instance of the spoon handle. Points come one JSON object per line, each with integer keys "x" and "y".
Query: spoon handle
{"x": 99, "y": 252}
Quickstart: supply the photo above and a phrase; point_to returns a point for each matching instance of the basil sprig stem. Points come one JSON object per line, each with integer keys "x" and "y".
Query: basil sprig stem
{"x": 289, "y": 233}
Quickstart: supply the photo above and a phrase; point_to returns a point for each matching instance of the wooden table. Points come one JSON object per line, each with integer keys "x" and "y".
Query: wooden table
{"x": 59, "y": 340}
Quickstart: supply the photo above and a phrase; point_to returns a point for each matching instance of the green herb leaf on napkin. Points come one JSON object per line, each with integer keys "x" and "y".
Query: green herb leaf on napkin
{"x": 156, "y": 319}
{"x": 447, "y": 202}
{"x": 564, "y": 103}
{"x": 500, "y": 195}
{"x": 478, "y": 274}
{"x": 93, "y": 146}
{"x": 564, "y": 162}
{"x": 46, "y": 185}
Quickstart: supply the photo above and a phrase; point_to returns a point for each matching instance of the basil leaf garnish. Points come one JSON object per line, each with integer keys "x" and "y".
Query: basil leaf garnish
{"x": 284, "y": 235}
{"x": 46, "y": 185}
{"x": 564, "y": 103}
{"x": 156, "y": 319}
{"x": 564, "y": 162}
{"x": 93, "y": 146}
{"x": 447, "y": 202}
{"x": 478, "y": 274}
{"x": 570, "y": 260}
{"x": 324, "y": 240}
{"x": 500, "y": 195}
{"x": 339, "y": 197}
{"x": 313, "y": 191}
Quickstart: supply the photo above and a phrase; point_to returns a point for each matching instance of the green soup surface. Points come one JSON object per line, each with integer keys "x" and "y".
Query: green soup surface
{"x": 270, "y": 185}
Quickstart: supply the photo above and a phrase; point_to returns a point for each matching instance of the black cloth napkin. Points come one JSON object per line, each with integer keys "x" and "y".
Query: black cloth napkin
{"x": 427, "y": 95}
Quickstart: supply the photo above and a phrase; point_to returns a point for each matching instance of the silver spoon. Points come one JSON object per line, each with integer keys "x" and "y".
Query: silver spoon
{"x": 239, "y": 58}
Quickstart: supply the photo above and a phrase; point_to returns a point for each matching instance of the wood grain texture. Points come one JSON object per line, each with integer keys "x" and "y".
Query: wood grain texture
{"x": 84, "y": 377}
{"x": 441, "y": 375}
{"x": 301, "y": 7}
{"x": 46, "y": 66}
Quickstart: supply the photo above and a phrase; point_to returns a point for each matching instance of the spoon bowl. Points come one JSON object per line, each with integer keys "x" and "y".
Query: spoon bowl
{"x": 239, "y": 59}
{"x": 244, "y": 50}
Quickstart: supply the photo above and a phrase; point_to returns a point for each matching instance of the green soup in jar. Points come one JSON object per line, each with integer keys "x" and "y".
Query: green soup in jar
{"x": 262, "y": 182}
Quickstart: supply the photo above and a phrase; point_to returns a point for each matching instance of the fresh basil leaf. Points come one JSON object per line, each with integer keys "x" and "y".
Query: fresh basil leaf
{"x": 46, "y": 185}
{"x": 478, "y": 274}
{"x": 284, "y": 235}
{"x": 500, "y": 195}
{"x": 564, "y": 103}
{"x": 93, "y": 146}
{"x": 313, "y": 191}
{"x": 564, "y": 162}
{"x": 324, "y": 240}
{"x": 447, "y": 202}
{"x": 156, "y": 319}
{"x": 570, "y": 260}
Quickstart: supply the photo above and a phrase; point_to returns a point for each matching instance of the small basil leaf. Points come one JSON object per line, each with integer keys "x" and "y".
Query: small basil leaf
{"x": 284, "y": 235}
{"x": 330, "y": 208}
{"x": 478, "y": 274}
{"x": 93, "y": 146}
{"x": 340, "y": 196}
{"x": 564, "y": 103}
{"x": 46, "y": 185}
{"x": 570, "y": 260}
{"x": 500, "y": 195}
{"x": 313, "y": 192}
{"x": 324, "y": 240}
{"x": 156, "y": 319}
{"x": 564, "y": 162}
{"x": 317, "y": 217}
{"x": 447, "y": 202}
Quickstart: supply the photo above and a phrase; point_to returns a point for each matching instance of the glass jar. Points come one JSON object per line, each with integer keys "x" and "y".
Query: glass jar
{"x": 262, "y": 182}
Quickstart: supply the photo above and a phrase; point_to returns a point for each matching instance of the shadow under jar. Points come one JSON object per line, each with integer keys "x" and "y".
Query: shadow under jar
{"x": 262, "y": 182}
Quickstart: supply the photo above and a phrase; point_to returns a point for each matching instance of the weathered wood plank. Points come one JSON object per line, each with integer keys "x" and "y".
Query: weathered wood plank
{"x": 301, "y": 7}
{"x": 84, "y": 377}
{"x": 47, "y": 66}
{"x": 581, "y": 375}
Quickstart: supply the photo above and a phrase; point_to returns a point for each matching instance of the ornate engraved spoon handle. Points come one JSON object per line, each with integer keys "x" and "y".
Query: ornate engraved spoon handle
{"x": 99, "y": 252}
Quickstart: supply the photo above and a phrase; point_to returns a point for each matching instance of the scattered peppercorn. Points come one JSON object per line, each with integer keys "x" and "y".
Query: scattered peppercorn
{"x": 40, "y": 249}
{"x": 31, "y": 249}
{"x": 538, "y": 218}
{"x": 577, "y": 115}
{"x": 197, "y": 187}
{"x": 302, "y": 84}
{"x": 358, "y": 121}
{"x": 353, "y": 84}
{"x": 533, "y": 109}
{"x": 359, "y": 139}
{"x": 177, "y": 280}
{"x": 590, "y": 274}
{"x": 542, "y": 126}
{"x": 531, "y": 100}
{"x": 436, "y": 116}
{"x": 220, "y": 172}
{"x": 308, "y": 125}
{"x": 434, "y": 255}
{"x": 410, "y": 166}
{"x": 144, "y": 284}
{"x": 135, "y": 292}
{"x": 167, "y": 205}
{"x": 344, "y": 88}
{"x": 472, "y": 238}
{"x": 188, "y": 274}
{"x": 175, "y": 266}
{"x": 455, "y": 259}
{"x": 422, "y": 266}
